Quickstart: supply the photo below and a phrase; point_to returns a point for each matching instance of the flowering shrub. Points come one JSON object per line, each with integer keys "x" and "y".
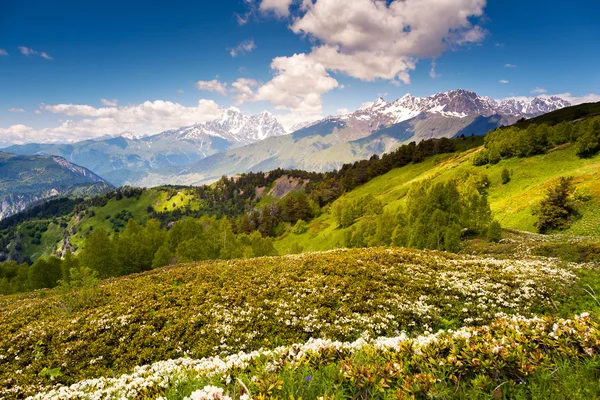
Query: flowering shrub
{"x": 223, "y": 307}
{"x": 508, "y": 350}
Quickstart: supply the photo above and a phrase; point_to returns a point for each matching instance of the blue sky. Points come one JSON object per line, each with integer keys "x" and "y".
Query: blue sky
{"x": 59, "y": 59}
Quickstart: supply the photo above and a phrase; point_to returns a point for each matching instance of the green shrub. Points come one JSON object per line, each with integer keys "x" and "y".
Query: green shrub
{"x": 557, "y": 209}
{"x": 505, "y": 176}
{"x": 494, "y": 233}
{"x": 300, "y": 227}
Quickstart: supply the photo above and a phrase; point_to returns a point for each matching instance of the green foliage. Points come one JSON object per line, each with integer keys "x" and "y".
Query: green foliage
{"x": 494, "y": 233}
{"x": 99, "y": 254}
{"x": 80, "y": 290}
{"x": 539, "y": 139}
{"x": 45, "y": 273}
{"x": 588, "y": 143}
{"x": 300, "y": 227}
{"x": 505, "y": 176}
{"x": 557, "y": 209}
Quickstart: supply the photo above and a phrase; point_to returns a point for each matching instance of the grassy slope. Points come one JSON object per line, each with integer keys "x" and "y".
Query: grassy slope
{"x": 100, "y": 220}
{"x": 512, "y": 204}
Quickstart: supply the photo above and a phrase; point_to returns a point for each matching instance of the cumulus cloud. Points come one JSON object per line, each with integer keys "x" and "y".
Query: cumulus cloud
{"x": 243, "y": 89}
{"x": 298, "y": 84}
{"x": 212, "y": 86}
{"x": 510, "y": 66}
{"x": 87, "y": 121}
{"x": 26, "y": 51}
{"x": 364, "y": 39}
{"x": 16, "y": 110}
{"x": 390, "y": 38}
{"x": 539, "y": 90}
{"x": 110, "y": 103}
{"x": 503, "y": 81}
{"x": 280, "y": 8}
{"x": 3, "y": 52}
{"x": 37, "y": 112}
{"x": 243, "y": 48}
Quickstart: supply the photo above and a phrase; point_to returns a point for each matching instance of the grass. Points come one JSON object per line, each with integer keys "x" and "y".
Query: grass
{"x": 168, "y": 203}
{"x": 512, "y": 204}
{"x": 101, "y": 219}
{"x": 566, "y": 380}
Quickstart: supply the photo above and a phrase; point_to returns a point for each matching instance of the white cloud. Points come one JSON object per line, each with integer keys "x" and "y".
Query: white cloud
{"x": 243, "y": 48}
{"x": 87, "y": 122}
{"x": 298, "y": 84}
{"x": 212, "y": 86}
{"x": 3, "y": 52}
{"x": 503, "y": 81}
{"x": 110, "y": 103}
{"x": 243, "y": 89}
{"x": 280, "y": 8}
{"x": 510, "y": 66}
{"x": 16, "y": 110}
{"x": 372, "y": 40}
{"x": 343, "y": 111}
{"x": 432, "y": 73}
{"x": 364, "y": 39}
{"x": 80, "y": 110}
{"x": 26, "y": 51}
{"x": 588, "y": 98}
{"x": 37, "y": 112}
{"x": 180, "y": 91}
{"x": 539, "y": 90}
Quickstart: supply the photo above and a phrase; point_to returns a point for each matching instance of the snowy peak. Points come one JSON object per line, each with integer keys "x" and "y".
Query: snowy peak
{"x": 233, "y": 126}
{"x": 458, "y": 103}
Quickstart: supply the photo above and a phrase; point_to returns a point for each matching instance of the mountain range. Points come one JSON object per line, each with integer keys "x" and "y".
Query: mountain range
{"x": 26, "y": 179}
{"x": 237, "y": 143}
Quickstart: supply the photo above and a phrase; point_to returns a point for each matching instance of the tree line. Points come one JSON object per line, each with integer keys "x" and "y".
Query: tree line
{"x": 437, "y": 216}
{"x": 539, "y": 139}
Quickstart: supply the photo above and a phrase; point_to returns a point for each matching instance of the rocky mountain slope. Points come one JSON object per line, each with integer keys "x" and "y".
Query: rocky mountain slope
{"x": 25, "y": 180}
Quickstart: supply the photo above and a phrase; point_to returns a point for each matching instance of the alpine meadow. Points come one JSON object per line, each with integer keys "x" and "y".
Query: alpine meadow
{"x": 199, "y": 202}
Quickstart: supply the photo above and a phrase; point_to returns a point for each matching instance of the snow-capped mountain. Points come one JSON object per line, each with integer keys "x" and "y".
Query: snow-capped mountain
{"x": 236, "y": 143}
{"x": 455, "y": 103}
{"x": 234, "y": 127}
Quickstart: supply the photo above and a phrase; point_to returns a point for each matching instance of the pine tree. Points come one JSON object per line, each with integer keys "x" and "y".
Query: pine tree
{"x": 556, "y": 209}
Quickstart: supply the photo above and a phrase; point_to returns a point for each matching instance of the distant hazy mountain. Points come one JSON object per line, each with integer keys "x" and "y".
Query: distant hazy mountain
{"x": 25, "y": 180}
{"x": 237, "y": 143}
{"x": 329, "y": 143}
{"x": 125, "y": 157}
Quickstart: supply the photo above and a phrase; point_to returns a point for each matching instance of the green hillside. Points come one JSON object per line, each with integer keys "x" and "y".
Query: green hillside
{"x": 511, "y": 203}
